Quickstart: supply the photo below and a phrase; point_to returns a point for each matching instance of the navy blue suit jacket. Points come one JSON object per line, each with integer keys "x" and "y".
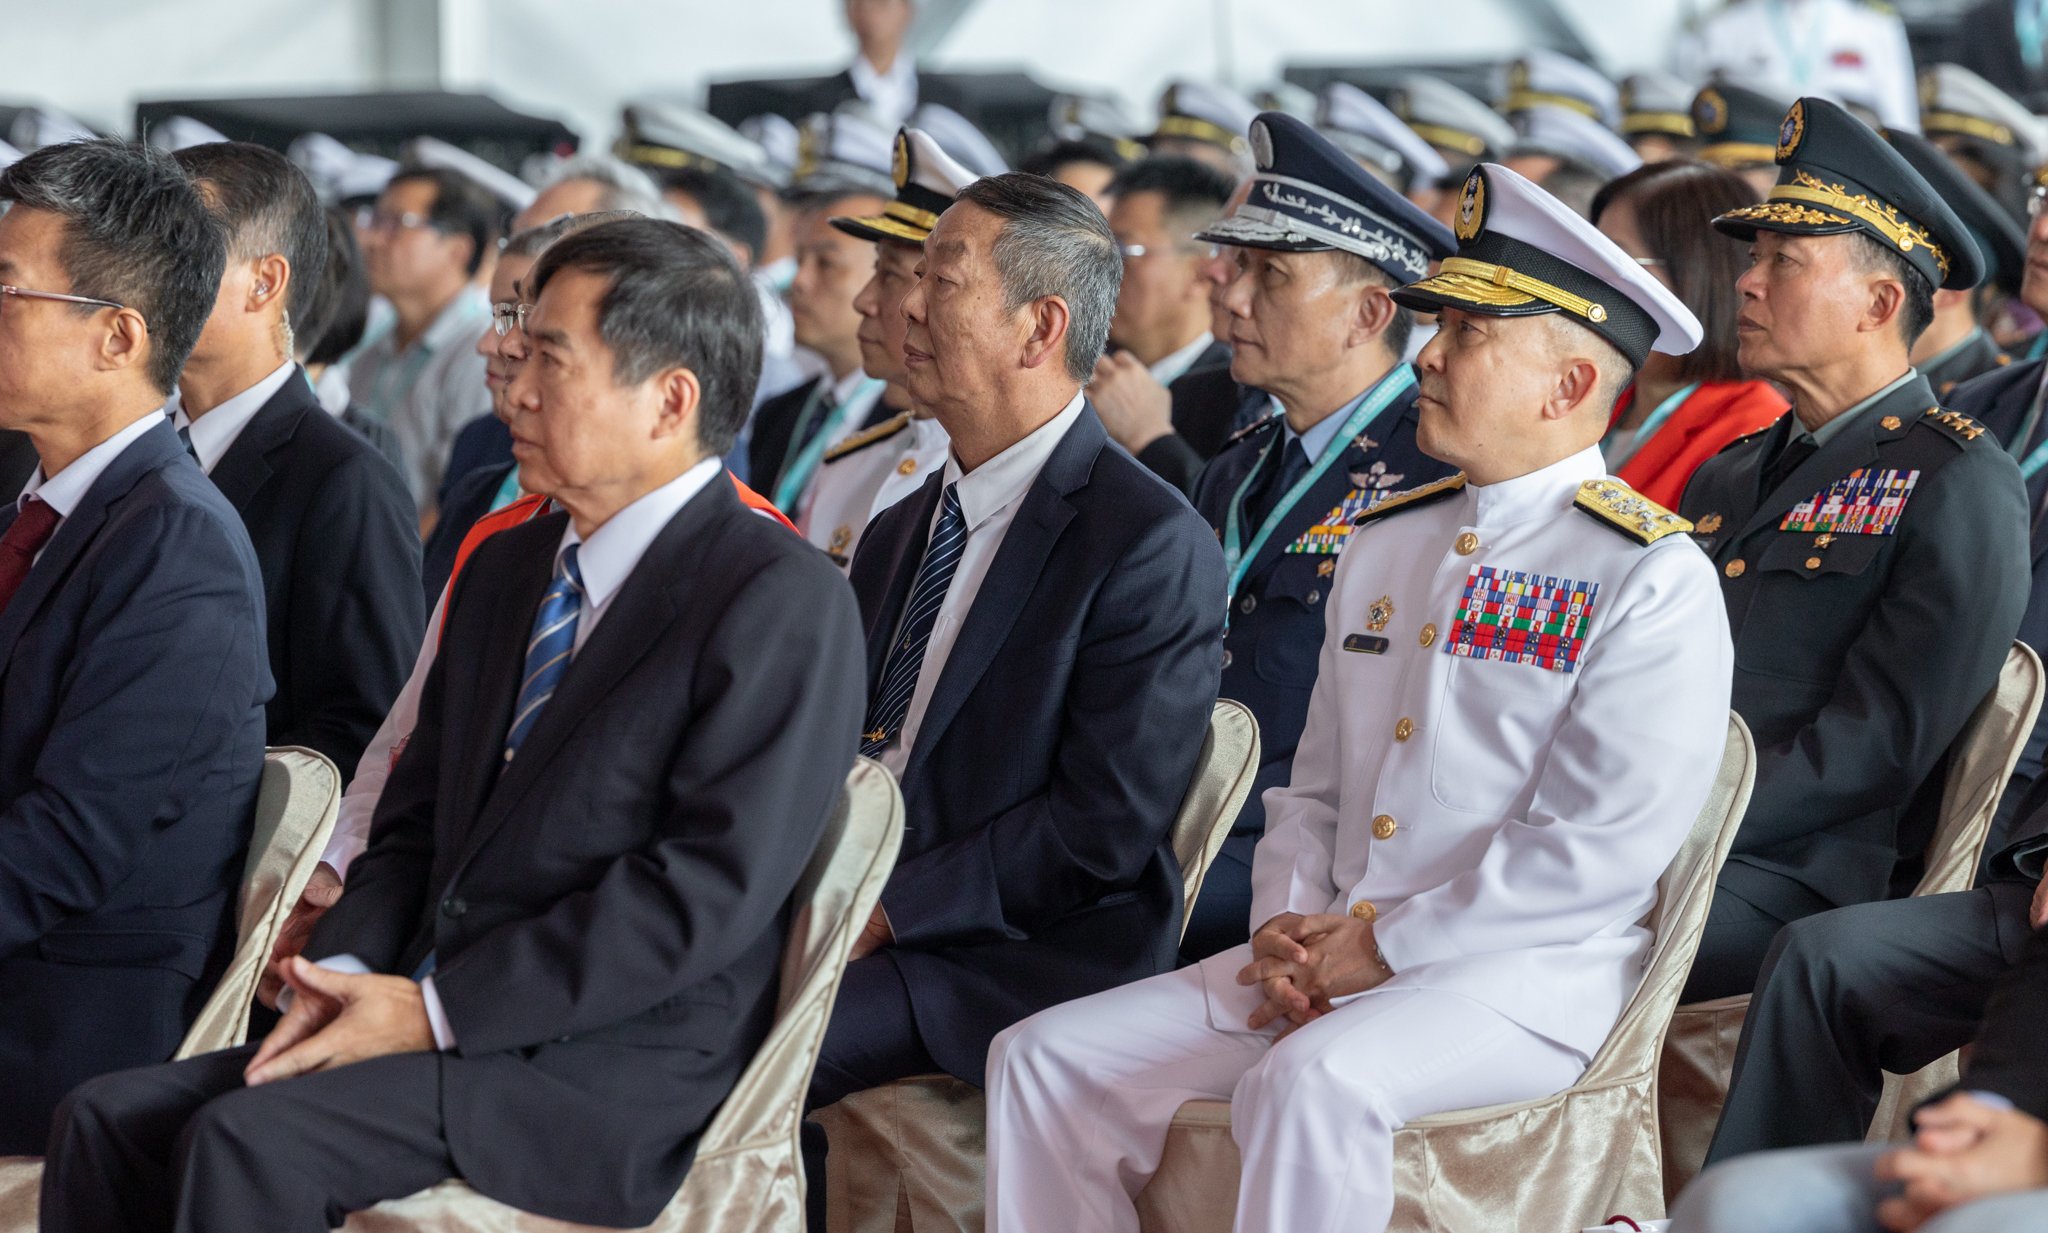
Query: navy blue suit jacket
{"x": 132, "y": 684}
{"x": 1059, "y": 740}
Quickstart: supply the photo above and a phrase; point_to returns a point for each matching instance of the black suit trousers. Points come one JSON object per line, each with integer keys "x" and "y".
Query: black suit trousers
{"x": 873, "y": 1040}
{"x": 188, "y": 1147}
{"x": 1849, "y": 994}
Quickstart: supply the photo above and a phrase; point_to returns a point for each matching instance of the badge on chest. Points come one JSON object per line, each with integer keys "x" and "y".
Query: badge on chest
{"x": 1863, "y": 502}
{"x": 1329, "y": 534}
{"x": 1519, "y": 618}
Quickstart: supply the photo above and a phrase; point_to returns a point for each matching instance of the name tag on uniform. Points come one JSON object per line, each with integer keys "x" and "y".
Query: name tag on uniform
{"x": 1520, "y": 618}
{"x": 1863, "y": 502}
{"x": 1366, "y": 644}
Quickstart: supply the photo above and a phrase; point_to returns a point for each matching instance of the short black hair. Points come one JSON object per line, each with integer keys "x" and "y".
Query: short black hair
{"x": 136, "y": 232}
{"x": 1917, "y": 313}
{"x": 677, "y": 300}
{"x": 341, "y": 303}
{"x": 268, "y": 206}
{"x": 1048, "y": 159}
{"x": 1054, "y": 241}
{"x": 461, "y": 207}
{"x": 1675, "y": 203}
{"x": 1190, "y": 187}
{"x": 1354, "y": 269}
{"x": 728, "y": 204}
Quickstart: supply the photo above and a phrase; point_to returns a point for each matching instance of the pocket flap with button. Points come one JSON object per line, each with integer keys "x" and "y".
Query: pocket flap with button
{"x": 1797, "y": 552}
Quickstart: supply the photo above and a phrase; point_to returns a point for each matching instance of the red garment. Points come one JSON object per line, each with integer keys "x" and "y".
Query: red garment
{"x": 533, "y": 505}
{"x": 1703, "y": 425}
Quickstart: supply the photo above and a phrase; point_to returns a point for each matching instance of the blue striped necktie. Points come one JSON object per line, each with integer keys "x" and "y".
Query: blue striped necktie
{"x": 549, "y": 649}
{"x": 906, "y": 655}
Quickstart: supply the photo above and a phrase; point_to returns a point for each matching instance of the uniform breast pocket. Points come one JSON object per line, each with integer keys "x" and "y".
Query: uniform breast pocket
{"x": 1812, "y": 599}
{"x": 1495, "y": 716}
{"x": 1289, "y": 621}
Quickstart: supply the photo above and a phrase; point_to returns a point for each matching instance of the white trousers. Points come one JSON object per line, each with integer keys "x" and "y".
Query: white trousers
{"x": 1080, "y": 1097}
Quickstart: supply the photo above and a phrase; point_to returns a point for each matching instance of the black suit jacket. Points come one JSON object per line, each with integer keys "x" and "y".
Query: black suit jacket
{"x": 1209, "y": 407}
{"x": 1057, "y": 745}
{"x": 337, "y": 537}
{"x": 132, "y": 683}
{"x": 1980, "y": 354}
{"x": 2000, "y": 400}
{"x": 1859, "y": 657}
{"x": 18, "y": 461}
{"x": 608, "y": 909}
{"x": 831, "y": 91}
{"x": 1991, "y": 49}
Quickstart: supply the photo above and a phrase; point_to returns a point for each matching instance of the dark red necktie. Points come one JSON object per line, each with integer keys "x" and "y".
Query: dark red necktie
{"x": 31, "y": 529}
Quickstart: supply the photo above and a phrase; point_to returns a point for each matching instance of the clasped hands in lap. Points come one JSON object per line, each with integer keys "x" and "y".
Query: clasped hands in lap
{"x": 339, "y": 1018}
{"x": 1302, "y": 963}
{"x": 1963, "y": 1150}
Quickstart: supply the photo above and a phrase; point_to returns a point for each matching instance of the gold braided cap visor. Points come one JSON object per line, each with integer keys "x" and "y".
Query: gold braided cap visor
{"x": 1792, "y": 205}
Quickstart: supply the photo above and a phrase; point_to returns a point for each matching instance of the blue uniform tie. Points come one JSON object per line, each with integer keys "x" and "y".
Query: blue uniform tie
{"x": 548, "y": 650}
{"x": 906, "y": 655}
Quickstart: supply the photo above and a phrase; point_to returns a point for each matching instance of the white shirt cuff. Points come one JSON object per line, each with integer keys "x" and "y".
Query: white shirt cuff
{"x": 349, "y": 965}
{"x": 437, "y": 1018}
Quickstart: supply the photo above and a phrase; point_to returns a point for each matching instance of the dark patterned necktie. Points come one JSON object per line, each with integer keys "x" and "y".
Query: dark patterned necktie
{"x": 24, "y": 538}
{"x": 906, "y": 655}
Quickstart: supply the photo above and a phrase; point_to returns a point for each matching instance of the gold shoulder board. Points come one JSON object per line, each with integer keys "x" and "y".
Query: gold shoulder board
{"x": 869, "y": 436}
{"x": 1956, "y": 422}
{"x": 1411, "y": 498}
{"x": 1621, "y": 507}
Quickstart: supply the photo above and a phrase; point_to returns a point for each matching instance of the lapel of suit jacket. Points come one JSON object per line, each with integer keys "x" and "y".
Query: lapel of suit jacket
{"x": 646, "y": 604}
{"x": 881, "y": 604}
{"x": 1042, "y": 514}
{"x": 1853, "y": 447}
{"x": 145, "y": 454}
{"x": 245, "y": 468}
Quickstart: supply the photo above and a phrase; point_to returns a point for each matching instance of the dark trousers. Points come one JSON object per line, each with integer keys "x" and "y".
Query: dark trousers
{"x": 872, "y": 1040}
{"x": 188, "y": 1147}
{"x": 1222, "y": 915}
{"x": 1749, "y": 908}
{"x": 1851, "y": 993}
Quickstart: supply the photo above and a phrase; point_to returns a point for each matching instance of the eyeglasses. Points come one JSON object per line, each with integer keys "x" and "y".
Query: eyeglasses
{"x": 23, "y": 293}
{"x": 1131, "y": 252}
{"x": 505, "y": 315}
{"x": 377, "y": 222}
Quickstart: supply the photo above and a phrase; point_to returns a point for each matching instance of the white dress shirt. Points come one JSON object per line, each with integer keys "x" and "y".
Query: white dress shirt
{"x": 63, "y": 491}
{"x": 892, "y": 96}
{"x": 214, "y": 433}
{"x": 1173, "y": 367}
{"x": 989, "y": 497}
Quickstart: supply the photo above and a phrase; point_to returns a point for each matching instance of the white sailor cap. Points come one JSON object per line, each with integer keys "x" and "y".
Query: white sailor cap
{"x": 1522, "y": 252}
{"x": 1450, "y": 119}
{"x": 1310, "y": 196}
{"x": 844, "y": 149}
{"x": 778, "y": 139}
{"x": 668, "y": 136}
{"x": 1095, "y": 117}
{"x": 1361, "y": 126}
{"x": 1955, "y": 101}
{"x": 1653, "y": 102}
{"x": 958, "y": 137}
{"x": 1201, "y": 111}
{"x": 337, "y": 172}
{"x": 1563, "y": 133}
{"x": 513, "y": 192}
{"x": 926, "y": 181}
{"x": 1288, "y": 97}
{"x": 43, "y": 126}
{"x": 1543, "y": 76}
{"x": 183, "y": 132}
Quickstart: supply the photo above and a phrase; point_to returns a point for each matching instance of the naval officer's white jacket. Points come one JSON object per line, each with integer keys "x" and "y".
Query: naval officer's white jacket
{"x": 1506, "y": 819}
{"x": 865, "y": 474}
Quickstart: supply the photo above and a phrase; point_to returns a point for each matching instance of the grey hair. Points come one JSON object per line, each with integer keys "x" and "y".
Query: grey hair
{"x": 1616, "y": 372}
{"x": 1054, "y": 242}
{"x": 534, "y": 241}
{"x": 626, "y": 186}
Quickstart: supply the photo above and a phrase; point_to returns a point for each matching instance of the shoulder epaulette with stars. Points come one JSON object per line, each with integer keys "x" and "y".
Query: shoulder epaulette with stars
{"x": 1249, "y": 429}
{"x": 1747, "y": 437}
{"x": 869, "y": 436}
{"x": 1616, "y": 505}
{"x": 1956, "y": 422}
{"x": 1412, "y": 498}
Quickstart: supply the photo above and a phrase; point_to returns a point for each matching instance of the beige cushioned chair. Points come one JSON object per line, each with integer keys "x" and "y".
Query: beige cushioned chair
{"x": 295, "y": 810}
{"x": 1553, "y": 1165}
{"x": 910, "y": 1155}
{"x": 748, "y": 1176}
{"x": 1699, "y": 1053}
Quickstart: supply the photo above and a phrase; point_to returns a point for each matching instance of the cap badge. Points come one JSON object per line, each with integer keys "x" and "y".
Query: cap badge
{"x": 899, "y": 165}
{"x": 1791, "y": 131}
{"x": 1710, "y": 111}
{"x": 1262, "y": 146}
{"x": 1472, "y": 207}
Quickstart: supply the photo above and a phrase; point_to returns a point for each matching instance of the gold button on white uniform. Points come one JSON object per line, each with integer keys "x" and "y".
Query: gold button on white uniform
{"x": 1364, "y": 911}
{"x": 1467, "y": 544}
{"x": 1404, "y": 729}
{"x": 1428, "y": 634}
{"x": 1383, "y": 827}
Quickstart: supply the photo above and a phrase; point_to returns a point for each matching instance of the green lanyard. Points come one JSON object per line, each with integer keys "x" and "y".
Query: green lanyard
{"x": 1238, "y": 557}
{"x": 798, "y": 473}
{"x": 2027, "y": 27}
{"x": 1649, "y": 426}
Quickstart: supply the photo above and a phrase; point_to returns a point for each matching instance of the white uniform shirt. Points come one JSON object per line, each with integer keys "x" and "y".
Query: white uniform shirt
{"x": 1506, "y": 819}
{"x": 989, "y": 497}
{"x": 215, "y": 433}
{"x": 851, "y": 490}
{"x": 1846, "y": 50}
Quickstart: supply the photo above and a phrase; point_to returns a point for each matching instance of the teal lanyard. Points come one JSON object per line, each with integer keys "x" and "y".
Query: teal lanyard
{"x": 798, "y": 474}
{"x": 2027, "y": 25}
{"x": 1802, "y": 56}
{"x": 1238, "y": 559}
{"x": 508, "y": 490}
{"x": 1650, "y": 426}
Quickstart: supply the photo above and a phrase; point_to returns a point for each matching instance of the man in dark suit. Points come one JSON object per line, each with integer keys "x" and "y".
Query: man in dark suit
{"x": 2008, "y": 400}
{"x": 1161, "y": 331}
{"x": 17, "y": 462}
{"x": 1310, "y": 303}
{"x": 883, "y": 74}
{"x": 332, "y": 521}
{"x": 1957, "y": 346}
{"x": 1042, "y": 620}
{"x": 568, "y": 919}
{"x": 132, "y": 675}
{"x": 1872, "y": 545}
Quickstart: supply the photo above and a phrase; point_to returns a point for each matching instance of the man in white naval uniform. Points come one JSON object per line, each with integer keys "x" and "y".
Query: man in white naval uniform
{"x": 1519, "y": 711}
{"x": 868, "y": 471}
